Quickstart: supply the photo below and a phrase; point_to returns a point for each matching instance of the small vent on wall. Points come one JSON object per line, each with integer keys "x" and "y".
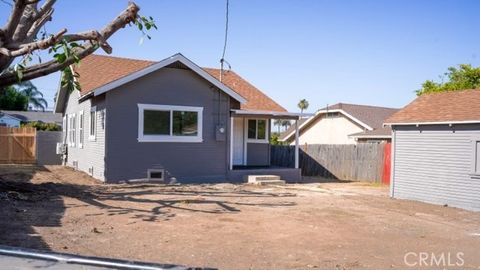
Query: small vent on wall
{"x": 90, "y": 170}
{"x": 156, "y": 174}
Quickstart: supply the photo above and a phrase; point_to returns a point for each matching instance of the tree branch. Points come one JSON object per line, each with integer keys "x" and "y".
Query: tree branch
{"x": 14, "y": 18}
{"x": 37, "y": 25}
{"x": 37, "y": 45}
{"x": 45, "y": 8}
{"x": 127, "y": 16}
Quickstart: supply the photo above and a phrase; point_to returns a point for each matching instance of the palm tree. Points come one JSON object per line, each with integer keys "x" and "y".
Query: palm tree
{"x": 278, "y": 123}
{"x": 286, "y": 124}
{"x": 303, "y": 105}
{"x": 35, "y": 97}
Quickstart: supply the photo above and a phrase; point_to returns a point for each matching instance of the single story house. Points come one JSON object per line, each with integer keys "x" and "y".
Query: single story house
{"x": 7, "y": 120}
{"x": 16, "y": 118}
{"x": 436, "y": 149}
{"x": 167, "y": 120}
{"x": 343, "y": 124}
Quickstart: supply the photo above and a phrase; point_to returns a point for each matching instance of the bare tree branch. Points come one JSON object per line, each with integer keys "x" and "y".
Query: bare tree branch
{"x": 127, "y": 16}
{"x": 38, "y": 45}
{"x": 38, "y": 24}
{"x": 45, "y": 8}
{"x": 14, "y": 50}
{"x": 15, "y": 17}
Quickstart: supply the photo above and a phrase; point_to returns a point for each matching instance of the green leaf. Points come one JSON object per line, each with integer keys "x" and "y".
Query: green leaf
{"x": 19, "y": 74}
{"x": 61, "y": 57}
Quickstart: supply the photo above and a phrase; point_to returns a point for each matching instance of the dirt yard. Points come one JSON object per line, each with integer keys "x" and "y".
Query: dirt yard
{"x": 320, "y": 225}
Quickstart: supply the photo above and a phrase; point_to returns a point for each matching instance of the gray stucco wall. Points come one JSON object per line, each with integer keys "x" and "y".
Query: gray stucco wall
{"x": 126, "y": 158}
{"x": 434, "y": 164}
{"x": 46, "y": 143}
{"x": 91, "y": 156}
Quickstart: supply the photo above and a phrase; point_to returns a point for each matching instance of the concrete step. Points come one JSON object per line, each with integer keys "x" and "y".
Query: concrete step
{"x": 254, "y": 178}
{"x": 270, "y": 182}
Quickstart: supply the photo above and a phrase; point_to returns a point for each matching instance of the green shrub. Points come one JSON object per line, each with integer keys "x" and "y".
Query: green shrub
{"x": 42, "y": 126}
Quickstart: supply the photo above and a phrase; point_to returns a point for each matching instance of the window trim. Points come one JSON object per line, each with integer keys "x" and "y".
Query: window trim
{"x": 267, "y": 126}
{"x": 474, "y": 170}
{"x": 81, "y": 127}
{"x": 92, "y": 137}
{"x": 72, "y": 132}
{"x": 170, "y": 138}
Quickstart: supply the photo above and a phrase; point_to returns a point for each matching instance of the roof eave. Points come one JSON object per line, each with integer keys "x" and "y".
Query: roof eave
{"x": 371, "y": 136}
{"x": 432, "y": 123}
{"x": 177, "y": 57}
{"x": 270, "y": 114}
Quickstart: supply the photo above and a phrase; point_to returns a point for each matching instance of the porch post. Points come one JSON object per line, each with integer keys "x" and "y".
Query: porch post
{"x": 296, "y": 145}
{"x": 231, "y": 143}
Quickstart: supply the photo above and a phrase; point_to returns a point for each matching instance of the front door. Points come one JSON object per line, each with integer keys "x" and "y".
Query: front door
{"x": 238, "y": 141}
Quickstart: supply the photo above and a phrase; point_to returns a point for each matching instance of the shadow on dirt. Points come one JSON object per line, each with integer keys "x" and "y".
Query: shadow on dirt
{"x": 25, "y": 205}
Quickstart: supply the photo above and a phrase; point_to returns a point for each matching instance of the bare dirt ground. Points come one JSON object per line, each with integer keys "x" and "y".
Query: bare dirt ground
{"x": 318, "y": 225}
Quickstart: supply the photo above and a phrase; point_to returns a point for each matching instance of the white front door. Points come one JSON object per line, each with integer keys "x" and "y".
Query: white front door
{"x": 238, "y": 141}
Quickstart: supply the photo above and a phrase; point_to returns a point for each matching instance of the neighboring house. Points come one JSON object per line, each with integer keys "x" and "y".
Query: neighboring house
{"x": 7, "y": 120}
{"x": 343, "y": 124}
{"x": 135, "y": 119}
{"x": 436, "y": 150}
{"x": 15, "y": 118}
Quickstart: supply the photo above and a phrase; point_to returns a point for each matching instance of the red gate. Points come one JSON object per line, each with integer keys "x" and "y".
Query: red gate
{"x": 387, "y": 164}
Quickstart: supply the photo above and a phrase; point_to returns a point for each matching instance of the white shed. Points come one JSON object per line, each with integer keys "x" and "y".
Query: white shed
{"x": 436, "y": 150}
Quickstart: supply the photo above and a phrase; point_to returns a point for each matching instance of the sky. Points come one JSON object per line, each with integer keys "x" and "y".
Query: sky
{"x": 363, "y": 51}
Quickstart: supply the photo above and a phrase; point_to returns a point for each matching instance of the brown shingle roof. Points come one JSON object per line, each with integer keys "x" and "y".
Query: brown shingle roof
{"x": 98, "y": 70}
{"x": 449, "y": 106}
{"x": 256, "y": 99}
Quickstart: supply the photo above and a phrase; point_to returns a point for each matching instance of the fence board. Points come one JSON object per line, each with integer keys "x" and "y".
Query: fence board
{"x": 361, "y": 162}
{"x": 17, "y": 145}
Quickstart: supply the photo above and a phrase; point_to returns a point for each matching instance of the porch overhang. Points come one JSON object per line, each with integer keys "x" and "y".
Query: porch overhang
{"x": 245, "y": 114}
{"x": 266, "y": 114}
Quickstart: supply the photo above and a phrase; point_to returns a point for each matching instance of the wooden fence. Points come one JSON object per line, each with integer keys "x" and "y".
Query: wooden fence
{"x": 361, "y": 162}
{"x": 17, "y": 145}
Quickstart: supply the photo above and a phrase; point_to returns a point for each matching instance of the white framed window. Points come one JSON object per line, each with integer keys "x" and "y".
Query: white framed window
{"x": 257, "y": 130}
{"x": 65, "y": 128}
{"x": 476, "y": 156}
{"x": 80, "y": 129}
{"x": 93, "y": 124}
{"x": 71, "y": 130}
{"x": 167, "y": 123}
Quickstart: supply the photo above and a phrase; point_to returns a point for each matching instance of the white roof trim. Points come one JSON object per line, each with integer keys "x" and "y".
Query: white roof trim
{"x": 433, "y": 123}
{"x": 175, "y": 58}
{"x": 356, "y": 120}
{"x": 271, "y": 113}
{"x": 371, "y": 136}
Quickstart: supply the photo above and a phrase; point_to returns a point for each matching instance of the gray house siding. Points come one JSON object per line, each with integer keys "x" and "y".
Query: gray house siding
{"x": 127, "y": 158}
{"x": 258, "y": 154}
{"x": 90, "y": 158}
{"x": 434, "y": 164}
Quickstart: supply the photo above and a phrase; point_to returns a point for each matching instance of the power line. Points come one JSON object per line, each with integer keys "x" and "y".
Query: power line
{"x": 222, "y": 60}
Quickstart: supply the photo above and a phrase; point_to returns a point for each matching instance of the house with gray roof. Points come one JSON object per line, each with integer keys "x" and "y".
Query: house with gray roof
{"x": 343, "y": 124}
{"x": 15, "y": 118}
